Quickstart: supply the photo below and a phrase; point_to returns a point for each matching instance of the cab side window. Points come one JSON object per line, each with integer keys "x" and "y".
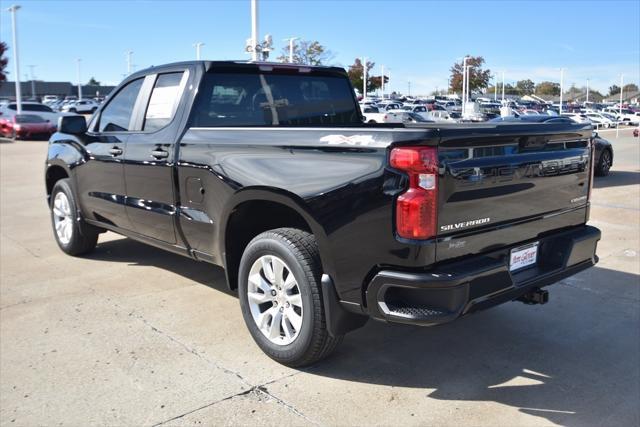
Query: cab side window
{"x": 117, "y": 114}
{"x": 163, "y": 102}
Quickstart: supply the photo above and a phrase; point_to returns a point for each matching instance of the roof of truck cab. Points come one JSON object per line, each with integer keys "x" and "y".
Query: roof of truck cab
{"x": 207, "y": 64}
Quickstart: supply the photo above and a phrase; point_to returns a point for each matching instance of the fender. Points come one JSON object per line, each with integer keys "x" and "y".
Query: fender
{"x": 66, "y": 153}
{"x": 276, "y": 195}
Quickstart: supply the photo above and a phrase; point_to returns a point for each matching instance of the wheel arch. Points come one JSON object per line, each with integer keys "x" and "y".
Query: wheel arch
{"x": 54, "y": 173}
{"x": 253, "y": 211}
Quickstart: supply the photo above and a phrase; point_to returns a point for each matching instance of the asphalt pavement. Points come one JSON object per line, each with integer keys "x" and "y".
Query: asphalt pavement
{"x": 131, "y": 335}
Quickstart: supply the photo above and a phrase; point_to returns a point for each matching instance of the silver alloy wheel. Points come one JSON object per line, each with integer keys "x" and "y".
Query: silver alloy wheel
{"x": 275, "y": 300}
{"x": 62, "y": 218}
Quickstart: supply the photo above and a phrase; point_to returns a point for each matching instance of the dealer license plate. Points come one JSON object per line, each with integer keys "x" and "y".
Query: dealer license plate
{"x": 523, "y": 256}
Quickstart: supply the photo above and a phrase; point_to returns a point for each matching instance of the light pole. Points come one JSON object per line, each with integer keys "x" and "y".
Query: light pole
{"x": 16, "y": 65}
{"x": 382, "y": 80}
{"x": 503, "y": 87}
{"x": 33, "y": 82}
{"x": 254, "y": 30}
{"x": 620, "y": 107}
{"x": 561, "y": 87}
{"x": 79, "y": 81}
{"x": 291, "y": 46}
{"x": 409, "y": 87}
{"x": 464, "y": 83}
{"x": 495, "y": 88}
{"x": 587, "y": 101}
{"x": 364, "y": 78}
{"x": 198, "y": 46}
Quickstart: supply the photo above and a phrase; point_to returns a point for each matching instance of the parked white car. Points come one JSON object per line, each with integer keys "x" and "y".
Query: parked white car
{"x": 627, "y": 117}
{"x": 375, "y": 115}
{"x": 10, "y": 110}
{"x": 600, "y": 120}
{"x": 83, "y": 106}
{"x": 578, "y": 118}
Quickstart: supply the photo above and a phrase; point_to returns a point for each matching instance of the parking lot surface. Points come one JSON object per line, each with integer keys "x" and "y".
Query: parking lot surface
{"x": 132, "y": 335}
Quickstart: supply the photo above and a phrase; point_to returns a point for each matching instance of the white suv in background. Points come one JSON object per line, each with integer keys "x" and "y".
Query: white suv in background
{"x": 83, "y": 106}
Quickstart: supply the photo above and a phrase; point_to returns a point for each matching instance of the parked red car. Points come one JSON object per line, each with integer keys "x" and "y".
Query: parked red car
{"x": 26, "y": 126}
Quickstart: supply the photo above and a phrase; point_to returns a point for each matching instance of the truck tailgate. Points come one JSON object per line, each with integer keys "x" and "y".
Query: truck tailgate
{"x": 508, "y": 183}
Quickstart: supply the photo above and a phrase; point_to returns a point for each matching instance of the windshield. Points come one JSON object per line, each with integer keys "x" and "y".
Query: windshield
{"x": 257, "y": 98}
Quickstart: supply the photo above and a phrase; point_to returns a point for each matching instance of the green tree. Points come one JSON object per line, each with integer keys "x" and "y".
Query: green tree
{"x": 614, "y": 89}
{"x": 478, "y": 77}
{"x": 3, "y": 61}
{"x": 307, "y": 52}
{"x": 548, "y": 88}
{"x": 93, "y": 82}
{"x": 355, "y": 75}
{"x": 631, "y": 87}
{"x": 525, "y": 87}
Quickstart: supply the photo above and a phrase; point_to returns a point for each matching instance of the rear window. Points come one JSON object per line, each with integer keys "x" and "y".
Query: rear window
{"x": 29, "y": 118}
{"x": 263, "y": 99}
{"x": 32, "y": 107}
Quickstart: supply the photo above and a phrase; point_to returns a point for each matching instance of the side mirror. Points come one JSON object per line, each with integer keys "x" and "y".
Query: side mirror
{"x": 594, "y": 134}
{"x": 73, "y": 125}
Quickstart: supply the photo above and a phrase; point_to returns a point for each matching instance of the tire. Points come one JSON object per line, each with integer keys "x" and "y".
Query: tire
{"x": 73, "y": 110}
{"x": 73, "y": 235}
{"x": 298, "y": 252}
{"x": 604, "y": 163}
{"x": 372, "y": 121}
{"x": 94, "y": 109}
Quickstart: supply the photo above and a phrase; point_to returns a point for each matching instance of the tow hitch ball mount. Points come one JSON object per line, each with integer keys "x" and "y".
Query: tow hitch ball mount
{"x": 535, "y": 296}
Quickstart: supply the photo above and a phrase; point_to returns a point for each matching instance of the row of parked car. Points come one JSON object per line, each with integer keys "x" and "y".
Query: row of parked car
{"x": 435, "y": 110}
{"x": 71, "y": 104}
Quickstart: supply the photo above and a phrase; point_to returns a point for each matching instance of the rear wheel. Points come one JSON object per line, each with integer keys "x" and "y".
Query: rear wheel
{"x": 72, "y": 234}
{"x": 280, "y": 297}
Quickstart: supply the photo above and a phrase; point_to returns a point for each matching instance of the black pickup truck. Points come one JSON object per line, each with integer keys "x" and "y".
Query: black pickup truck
{"x": 320, "y": 220}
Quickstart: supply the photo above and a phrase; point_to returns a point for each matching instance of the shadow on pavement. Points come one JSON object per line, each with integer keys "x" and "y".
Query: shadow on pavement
{"x": 570, "y": 361}
{"x": 135, "y": 253}
{"x": 617, "y": 179}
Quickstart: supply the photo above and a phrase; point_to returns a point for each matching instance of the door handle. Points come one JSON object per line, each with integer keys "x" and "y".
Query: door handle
{"x": 115, "y": 151}
{"x": 160, "y": 154}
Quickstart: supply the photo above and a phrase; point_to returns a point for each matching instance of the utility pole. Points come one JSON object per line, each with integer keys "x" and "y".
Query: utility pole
{"x": 16, "y": 64}
{"x": 128, "y": 54}
{"x": 33, "y": 82}
{"x": 254, "y": 30}
{"x": 79, "y": 81}
{"x": 561, "y": 87}
{"x": 291, "y": 46}
{"x": 364, "y": 78}
{"x": 198, "y": 46}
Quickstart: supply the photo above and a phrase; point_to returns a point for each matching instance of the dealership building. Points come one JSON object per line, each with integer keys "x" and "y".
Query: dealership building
{"x": 38, "y": 88}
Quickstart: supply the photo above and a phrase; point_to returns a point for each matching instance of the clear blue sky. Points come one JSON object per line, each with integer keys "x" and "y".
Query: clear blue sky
{"x": 418, "y": 40}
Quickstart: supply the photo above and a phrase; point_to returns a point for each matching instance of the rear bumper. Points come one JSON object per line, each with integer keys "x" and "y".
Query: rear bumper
{"x": 458, "y": 288}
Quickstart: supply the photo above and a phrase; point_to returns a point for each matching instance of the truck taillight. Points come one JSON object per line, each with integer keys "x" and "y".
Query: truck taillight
{"x": 417, "y": 208}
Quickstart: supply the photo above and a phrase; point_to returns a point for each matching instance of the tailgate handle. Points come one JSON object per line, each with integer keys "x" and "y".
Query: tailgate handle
{"x": 160, "y": 154}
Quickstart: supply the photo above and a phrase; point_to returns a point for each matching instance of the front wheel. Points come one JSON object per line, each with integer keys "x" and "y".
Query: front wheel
{"x": 602, "y": 169}
{"x": 281, "y": 299}
{"x": 72, "y": 234}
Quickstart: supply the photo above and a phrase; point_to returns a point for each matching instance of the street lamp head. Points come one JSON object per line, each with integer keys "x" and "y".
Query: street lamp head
{"x": 13, "y": 8}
